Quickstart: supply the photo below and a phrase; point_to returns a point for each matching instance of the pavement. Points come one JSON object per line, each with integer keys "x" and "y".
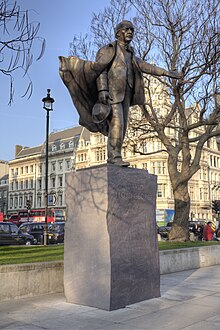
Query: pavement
{"x": 189, "y": 300}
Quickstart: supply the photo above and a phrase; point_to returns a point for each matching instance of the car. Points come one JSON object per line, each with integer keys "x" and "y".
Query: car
{"x": 197, "y": 227}
{"x": 164, "y": 230}
{"x": 11, "y": 235}
{"x": 35, "y": 229}
{"x": 56, "y": 232}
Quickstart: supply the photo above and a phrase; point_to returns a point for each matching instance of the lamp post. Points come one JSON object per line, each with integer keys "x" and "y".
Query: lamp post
{"x": 48, "y": 106}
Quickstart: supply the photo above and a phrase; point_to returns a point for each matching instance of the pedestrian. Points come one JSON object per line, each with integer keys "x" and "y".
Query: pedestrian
{"x": 208, "y": 232}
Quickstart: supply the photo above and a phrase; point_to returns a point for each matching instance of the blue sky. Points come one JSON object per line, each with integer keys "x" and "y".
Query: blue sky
{"x": 24, "y": 122}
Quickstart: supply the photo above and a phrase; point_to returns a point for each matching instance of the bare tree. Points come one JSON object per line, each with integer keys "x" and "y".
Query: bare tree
{"x": 101, "y": 30}
{"x": 185, "y": 37}
{"x": 18, "y": 37}
{"x": 178, "y": 35}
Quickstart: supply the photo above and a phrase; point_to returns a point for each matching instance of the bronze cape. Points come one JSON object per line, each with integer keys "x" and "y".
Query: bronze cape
{"x": 80, "y": 76}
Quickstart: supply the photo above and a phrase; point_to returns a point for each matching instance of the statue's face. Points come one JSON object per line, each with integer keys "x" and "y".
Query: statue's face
{"x": 126, "y": 34}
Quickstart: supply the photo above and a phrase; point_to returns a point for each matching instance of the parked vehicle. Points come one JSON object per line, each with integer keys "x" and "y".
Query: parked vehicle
{"x": 35, "y": 229}
{"x": 36, "y": 215}
{"x": 164, "y": 230}
{"x": 56, "y": 232}
{"x": 11, "y": 235}
{"x": 195, "y": 227}
{"x": 1, "y": 216}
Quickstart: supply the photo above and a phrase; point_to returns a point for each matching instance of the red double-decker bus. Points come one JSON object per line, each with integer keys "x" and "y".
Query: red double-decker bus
{"x": 37, "y": 215}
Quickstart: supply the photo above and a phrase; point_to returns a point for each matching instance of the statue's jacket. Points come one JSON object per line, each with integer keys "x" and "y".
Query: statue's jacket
{"x": 80, "y": 78}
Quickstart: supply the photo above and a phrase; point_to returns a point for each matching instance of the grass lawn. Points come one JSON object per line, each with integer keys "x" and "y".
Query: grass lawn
{"x": 166, "y": 245}
{"x": 28, "y": 254}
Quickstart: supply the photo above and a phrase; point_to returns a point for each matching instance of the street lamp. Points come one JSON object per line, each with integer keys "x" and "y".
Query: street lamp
{"x": 48, "y": 106}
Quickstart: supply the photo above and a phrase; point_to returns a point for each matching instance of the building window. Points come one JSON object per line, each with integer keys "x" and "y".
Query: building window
{"x": 11, "y": 202}
{"x": 60, "y": 166}
{"x": 159, "y": 167}
{"x": 54, "y": 148}
{"x": 62, "y": 146}
{"x": 16, "y": 185}
{"x": 21, "y": 185}
{"x": 39, "y": 201}
{"x": 60, "y": 199}
{"x": 12, "y": 185}
{"x": 68, "y": 164}
{"x": 32, "y": 168}
{"x": 97, "y": 156}
{"x": 22, "y": 170}
{"x": 200, "y": 194}
{"x": 53, "y": 166}
{"x": 40, "y": 169}
{"x": 16, "y": 202}
{"x": 215, "y": 161}
{"x": 26, "y": 184}
{"x": 26, "y": 169}
{"x": 100, "y": 155}
{"x": 53, "y": 182}
{"x": 71, "y": 144}
{"x": 20, "y": 201}
{"x": 206, "y": 196}
{"x": 192, "y": 193}
{"x": 39, "y": 184}
{"x": 60, "y": 181}
{"x": 161, "y": 190}
{"x": 32, "y": 183}
{"x": 144, "y": 147}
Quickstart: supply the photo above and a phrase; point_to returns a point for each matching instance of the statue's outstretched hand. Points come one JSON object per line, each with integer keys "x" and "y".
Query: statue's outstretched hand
{"x": 103, "y": 97}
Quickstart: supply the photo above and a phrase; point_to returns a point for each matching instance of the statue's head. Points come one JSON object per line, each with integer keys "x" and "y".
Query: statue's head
{"x": 124, "y": 31}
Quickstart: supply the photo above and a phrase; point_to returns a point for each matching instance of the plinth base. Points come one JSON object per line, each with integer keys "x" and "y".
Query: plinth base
{"x": 110, "y": 252}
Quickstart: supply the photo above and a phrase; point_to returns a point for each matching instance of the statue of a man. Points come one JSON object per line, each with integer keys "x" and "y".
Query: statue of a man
{"x": 103, "y": 91}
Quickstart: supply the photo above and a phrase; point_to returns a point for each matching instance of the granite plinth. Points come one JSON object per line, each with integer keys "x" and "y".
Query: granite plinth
{"x": 111, "y": 255}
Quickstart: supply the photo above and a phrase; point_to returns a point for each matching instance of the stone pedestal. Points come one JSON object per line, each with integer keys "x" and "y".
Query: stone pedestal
{"x": 110, "y": 252}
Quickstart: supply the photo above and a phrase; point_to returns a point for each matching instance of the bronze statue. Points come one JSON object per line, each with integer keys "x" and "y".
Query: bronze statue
{"x": 103, "y": 91}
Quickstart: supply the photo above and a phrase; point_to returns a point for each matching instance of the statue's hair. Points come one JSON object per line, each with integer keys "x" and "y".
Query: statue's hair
{"x": 121, "y": 25}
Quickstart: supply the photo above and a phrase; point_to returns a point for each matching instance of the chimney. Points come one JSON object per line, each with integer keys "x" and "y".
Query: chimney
{"x": 18, "y": 148}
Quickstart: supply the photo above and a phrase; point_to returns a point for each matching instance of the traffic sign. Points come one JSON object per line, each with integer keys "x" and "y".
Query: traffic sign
{"x": 52, "y": 200}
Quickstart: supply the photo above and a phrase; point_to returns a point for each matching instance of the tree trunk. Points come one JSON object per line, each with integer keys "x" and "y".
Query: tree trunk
{"x": 180, "y": 229}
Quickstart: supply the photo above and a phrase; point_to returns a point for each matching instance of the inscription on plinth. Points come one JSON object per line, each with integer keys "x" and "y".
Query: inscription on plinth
{"x": 111, "y": 255}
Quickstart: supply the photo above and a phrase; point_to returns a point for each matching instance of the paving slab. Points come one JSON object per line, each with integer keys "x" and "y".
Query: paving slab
{"x": 190, "y": 300}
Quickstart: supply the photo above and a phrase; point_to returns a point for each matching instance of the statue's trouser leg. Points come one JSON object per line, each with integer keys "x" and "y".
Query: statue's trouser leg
{"x": 118, "y": 126}
{"x": 116, "y": 129}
